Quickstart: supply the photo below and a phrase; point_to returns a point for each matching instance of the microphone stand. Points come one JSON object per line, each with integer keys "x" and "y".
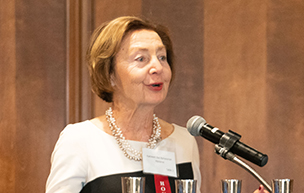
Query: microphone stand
{"x": 223, "y": 149}
{"x": 231, "y": 157}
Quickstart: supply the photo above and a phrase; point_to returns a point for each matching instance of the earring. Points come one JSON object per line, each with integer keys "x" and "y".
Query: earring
{"x": 112, "y": 83}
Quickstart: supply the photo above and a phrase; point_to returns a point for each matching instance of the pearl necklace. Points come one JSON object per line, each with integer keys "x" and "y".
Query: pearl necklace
{"x": 128, "y": 151}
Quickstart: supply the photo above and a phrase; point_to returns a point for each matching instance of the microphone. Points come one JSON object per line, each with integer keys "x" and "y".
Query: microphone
{"x": 197, "y": 126}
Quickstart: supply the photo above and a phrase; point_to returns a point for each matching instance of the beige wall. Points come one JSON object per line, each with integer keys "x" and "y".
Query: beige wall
{"x": 239, "y": 65}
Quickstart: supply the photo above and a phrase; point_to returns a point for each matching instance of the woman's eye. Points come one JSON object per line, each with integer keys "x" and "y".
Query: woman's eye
{"x": 163, "y": 58}
{"x": 140, "y": 59}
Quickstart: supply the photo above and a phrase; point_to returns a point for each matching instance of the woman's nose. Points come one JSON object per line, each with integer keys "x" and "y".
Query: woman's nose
{"x": 156, "y": 66}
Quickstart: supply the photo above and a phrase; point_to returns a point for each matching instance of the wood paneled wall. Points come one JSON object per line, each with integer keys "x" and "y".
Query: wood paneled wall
{"x": 32, "y": 74}
{"x": 79, "y": 27}
{"x": 253, "y": 84}
{"x": 7, "y": 101}
{"x": 285, "y": 90}
{"x": 234, "y": 82}
{"x": 239, "y": 64}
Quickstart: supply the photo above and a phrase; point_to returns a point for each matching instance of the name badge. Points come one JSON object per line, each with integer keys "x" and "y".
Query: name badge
{"x": 159, "y": 162}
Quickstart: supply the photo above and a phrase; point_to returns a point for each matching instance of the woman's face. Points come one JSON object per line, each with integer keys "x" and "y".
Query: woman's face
{"x": 142, "y": 73}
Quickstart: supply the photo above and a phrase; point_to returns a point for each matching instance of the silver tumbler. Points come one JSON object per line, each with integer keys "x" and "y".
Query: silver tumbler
{"x": 231, "y": 186}
{"x": 133, "y": 184}
{"x": 282, "y": 186}
{"x": 185, "y": 186}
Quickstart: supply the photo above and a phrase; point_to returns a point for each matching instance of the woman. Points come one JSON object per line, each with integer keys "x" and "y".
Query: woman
{"x": 131, "y": 64}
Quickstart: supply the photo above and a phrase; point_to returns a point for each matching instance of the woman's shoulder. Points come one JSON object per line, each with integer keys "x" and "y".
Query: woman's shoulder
{"x": 174, "y": 130}
{"x": 78, "y": 130}
{"x": 182, "y": 134}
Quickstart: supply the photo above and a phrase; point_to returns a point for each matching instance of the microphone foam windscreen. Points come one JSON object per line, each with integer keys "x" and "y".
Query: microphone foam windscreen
{"x": 193, "y": 125}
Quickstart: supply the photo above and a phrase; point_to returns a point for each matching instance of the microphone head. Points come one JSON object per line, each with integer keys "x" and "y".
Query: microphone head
{"x": 194, "y": 125}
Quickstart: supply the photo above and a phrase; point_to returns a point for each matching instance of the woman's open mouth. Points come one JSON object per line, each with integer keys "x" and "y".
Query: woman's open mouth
{"x": 156, "y": 86}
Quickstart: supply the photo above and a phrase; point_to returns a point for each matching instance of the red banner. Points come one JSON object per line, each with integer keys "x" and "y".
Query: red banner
{"x": 162, "y": 184}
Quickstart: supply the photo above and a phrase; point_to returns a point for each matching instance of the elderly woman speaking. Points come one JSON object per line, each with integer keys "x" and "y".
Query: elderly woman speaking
{"x": 131, "y": 66}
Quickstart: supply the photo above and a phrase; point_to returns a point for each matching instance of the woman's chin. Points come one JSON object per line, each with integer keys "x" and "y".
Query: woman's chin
{"x": 155, "y": 102}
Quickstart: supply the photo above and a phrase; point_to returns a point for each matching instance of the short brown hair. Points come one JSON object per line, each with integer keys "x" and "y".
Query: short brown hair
{"x": 105, "y": 43}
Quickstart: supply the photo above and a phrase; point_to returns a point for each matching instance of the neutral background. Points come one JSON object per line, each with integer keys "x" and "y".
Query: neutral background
{"x": 240, "y": 65}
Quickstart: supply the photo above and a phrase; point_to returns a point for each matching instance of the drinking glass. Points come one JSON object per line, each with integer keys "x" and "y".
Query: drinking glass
{"x": 133, "y": 184}
{"x": 282, "y": 186}
{"x": 185, "y": 186}
{"x": 231, "y": 186}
